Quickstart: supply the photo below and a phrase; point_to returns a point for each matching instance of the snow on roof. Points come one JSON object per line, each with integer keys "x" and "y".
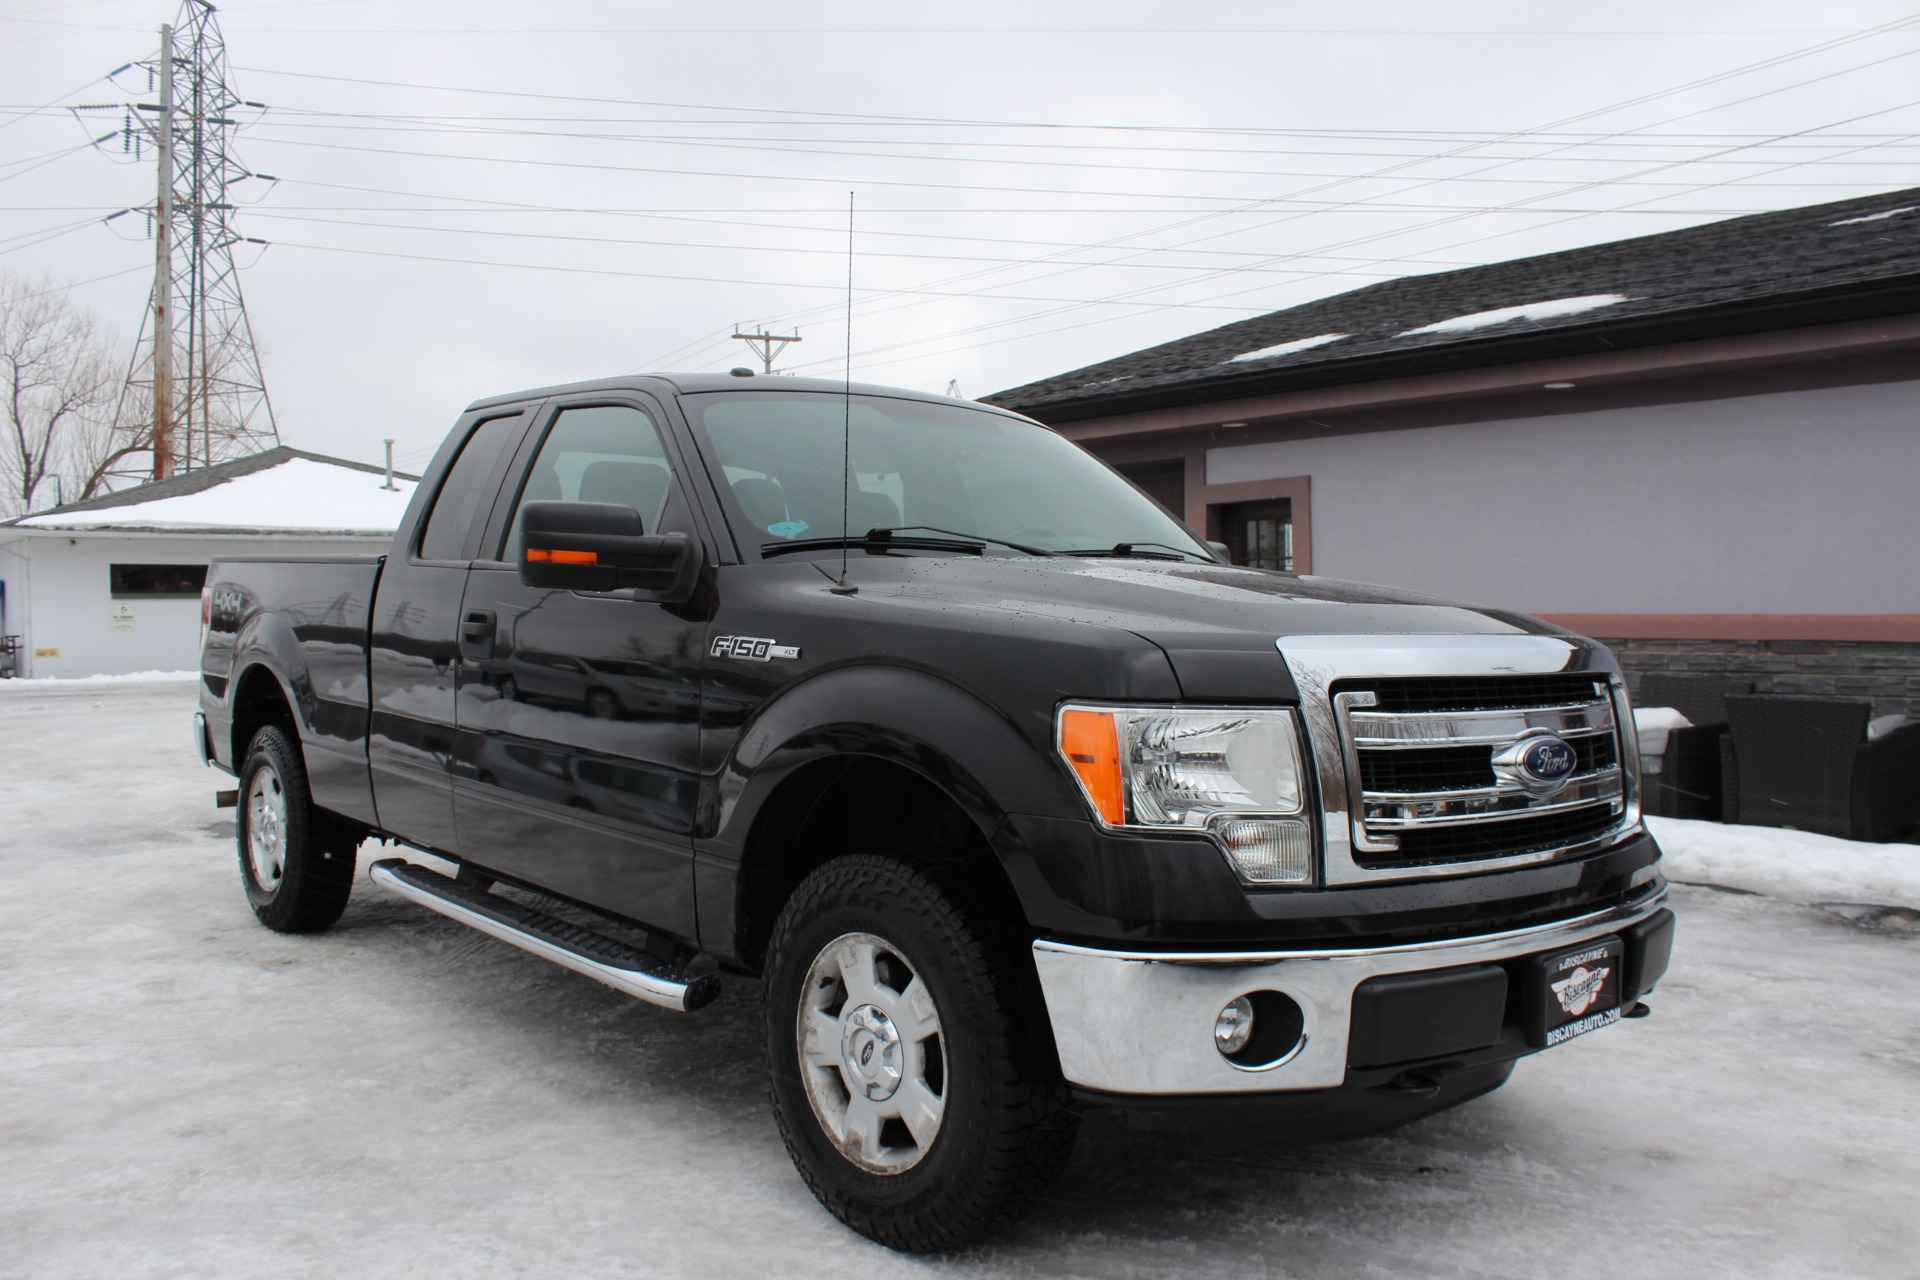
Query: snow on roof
{"x": 298, "y": 493}
{"x": 1285, "y": 348}
{"x": 1549, "y": 310}
{"x": 1882, "y": 216}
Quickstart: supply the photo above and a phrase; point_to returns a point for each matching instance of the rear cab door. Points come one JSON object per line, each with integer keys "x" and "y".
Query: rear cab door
{"x": 413, "y": 653}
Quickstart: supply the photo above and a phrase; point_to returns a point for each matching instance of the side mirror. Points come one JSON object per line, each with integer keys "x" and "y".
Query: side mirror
{"x": 1221, "y": 550}
{"x": 603, "y": 546}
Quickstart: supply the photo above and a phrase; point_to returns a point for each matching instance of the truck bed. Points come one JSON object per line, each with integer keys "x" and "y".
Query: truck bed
{"x": 309, "y": 616}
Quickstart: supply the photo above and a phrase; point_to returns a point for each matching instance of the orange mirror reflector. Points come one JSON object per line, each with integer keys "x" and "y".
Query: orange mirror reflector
{"x": 540, "y": 555}
{"x": 1091, "y": 745}
{"x": 537, "y": 555}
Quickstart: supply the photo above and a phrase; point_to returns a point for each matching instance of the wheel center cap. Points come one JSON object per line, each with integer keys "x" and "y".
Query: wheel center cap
{"x": 870, "y": 1052}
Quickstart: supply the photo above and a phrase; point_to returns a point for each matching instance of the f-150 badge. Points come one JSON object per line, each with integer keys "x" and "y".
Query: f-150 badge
{"x": 752, "y": 648}
{"x": 1578, "y": 990}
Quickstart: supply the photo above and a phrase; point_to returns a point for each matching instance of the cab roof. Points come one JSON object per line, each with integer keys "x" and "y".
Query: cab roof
{"x": 698, "y": 383}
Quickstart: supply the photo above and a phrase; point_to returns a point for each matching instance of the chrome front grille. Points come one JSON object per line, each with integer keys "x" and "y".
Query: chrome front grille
{"x": 1426, "y": 784}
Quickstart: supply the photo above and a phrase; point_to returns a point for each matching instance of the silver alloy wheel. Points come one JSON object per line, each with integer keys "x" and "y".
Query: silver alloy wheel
{"x": 871, "y": 1055}
{"x": 267, "y": 828}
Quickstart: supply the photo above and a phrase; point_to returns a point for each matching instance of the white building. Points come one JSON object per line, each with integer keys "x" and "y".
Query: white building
{"x": 112, "y": 585}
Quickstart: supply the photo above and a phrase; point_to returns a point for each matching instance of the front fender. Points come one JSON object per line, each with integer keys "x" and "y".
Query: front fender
{"x": 954, "y": 739}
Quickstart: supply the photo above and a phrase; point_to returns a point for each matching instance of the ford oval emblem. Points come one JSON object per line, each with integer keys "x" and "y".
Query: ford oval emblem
{"x": 1548, "y": 759}
{"x": 1539, "y": 763}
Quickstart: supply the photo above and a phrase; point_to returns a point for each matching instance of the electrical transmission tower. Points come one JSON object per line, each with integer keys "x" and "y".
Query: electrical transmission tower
{"x": 195, "y": 377}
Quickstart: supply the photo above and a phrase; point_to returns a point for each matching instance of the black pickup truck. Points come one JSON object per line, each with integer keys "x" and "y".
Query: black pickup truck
{"x": 1019, "y": 798}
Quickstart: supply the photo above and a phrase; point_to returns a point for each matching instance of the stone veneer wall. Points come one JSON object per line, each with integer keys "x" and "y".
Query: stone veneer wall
{"x": 1887, "y": 672}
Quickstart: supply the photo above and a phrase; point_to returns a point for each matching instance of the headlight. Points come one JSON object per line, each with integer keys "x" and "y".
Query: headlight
{"x": 1233, "y": 773}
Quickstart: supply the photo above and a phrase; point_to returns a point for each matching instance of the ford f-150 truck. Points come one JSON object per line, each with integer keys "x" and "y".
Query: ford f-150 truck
{"x": 1017, "y": 796}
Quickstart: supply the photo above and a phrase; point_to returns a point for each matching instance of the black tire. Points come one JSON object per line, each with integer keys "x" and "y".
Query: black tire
{"x": 315, "y": 854}
{"x": 1006, "y": 1127}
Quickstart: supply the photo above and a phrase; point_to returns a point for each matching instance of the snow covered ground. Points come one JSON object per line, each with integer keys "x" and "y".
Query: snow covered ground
{"x": 183, "y": 1093}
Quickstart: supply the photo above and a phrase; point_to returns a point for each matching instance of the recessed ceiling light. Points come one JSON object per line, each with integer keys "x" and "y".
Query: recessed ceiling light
{"x": 1558, "y": 386}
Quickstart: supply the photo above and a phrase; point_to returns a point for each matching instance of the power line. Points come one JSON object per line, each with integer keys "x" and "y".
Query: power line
{"x": 1638, "y": 100}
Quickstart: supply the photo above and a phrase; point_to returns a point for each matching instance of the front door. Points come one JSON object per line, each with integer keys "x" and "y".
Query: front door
{"x": 577, "y": 768}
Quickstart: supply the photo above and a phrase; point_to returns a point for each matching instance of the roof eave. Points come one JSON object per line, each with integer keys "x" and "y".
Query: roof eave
{"x": 1887, "y": 296}
{"x": 196, "y": 532}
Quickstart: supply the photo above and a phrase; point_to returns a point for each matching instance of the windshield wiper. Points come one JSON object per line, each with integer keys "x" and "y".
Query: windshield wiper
{"x": 970, "y": 537}
{"x": 876, "y": 540}
{"x": 889, "y": 539}
{"x": 1131, "y": 550}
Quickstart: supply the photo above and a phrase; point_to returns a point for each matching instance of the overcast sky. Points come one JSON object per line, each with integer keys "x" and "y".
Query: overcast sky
{"x": 476, "y": 196}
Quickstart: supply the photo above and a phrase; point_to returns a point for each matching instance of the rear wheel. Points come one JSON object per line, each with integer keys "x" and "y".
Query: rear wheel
{"x": 910, "y": 1079}
{"x": 295, "y": 861}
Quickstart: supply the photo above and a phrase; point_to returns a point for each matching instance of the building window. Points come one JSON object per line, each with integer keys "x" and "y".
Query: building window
{"x": 156, "y": 579}
{"x": 1164, "y": 482}
{"x": 1259, "y": 534}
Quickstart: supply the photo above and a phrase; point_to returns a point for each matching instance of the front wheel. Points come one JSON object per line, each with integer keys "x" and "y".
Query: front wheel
{"x": 295, "y": 861}
{"x": 910, "y": 1076}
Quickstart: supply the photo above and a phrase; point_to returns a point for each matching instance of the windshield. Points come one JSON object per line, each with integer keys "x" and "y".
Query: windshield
{"x": 915, "y": 465}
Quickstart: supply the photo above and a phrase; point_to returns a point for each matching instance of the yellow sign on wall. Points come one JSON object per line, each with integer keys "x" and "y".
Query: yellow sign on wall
{"x": 46, "y": 653}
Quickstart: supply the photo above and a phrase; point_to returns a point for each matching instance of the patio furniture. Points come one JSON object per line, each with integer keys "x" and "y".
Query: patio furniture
{"x": 1695, "y": 776}
{"x": 1805, "y": 762}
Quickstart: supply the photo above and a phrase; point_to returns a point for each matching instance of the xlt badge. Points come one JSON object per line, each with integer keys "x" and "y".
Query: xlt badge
{"x": 752, "y": 648}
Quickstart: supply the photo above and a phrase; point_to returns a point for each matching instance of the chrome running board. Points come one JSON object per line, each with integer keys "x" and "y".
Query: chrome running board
{"x": 620, "y": 966}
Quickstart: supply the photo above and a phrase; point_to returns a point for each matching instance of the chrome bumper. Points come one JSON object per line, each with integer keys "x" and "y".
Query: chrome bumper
{"x": 1142, "y": 1022}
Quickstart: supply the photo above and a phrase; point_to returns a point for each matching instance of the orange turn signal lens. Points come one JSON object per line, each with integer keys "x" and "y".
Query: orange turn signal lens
{"x": 539, "y": 555}
{"x": 1091, "y": 744}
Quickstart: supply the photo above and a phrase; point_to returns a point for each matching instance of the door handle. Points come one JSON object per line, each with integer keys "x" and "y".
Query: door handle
{"x": 476, "y": 634}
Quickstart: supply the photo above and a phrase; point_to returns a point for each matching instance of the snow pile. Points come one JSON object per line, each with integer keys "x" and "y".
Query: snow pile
{"x": 1532, "y": 311}
{"x": 1882, "y": 216}
{"x": 1285, "y": 348}
{"x": 40, "y": 684}
{"x": 1795, "y": 865}
{"x": 297, "y": 494}
{"x": 1651, "y": 725}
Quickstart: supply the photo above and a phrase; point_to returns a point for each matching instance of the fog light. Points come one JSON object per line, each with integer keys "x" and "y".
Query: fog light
{"x": 1234, "y": 1027}
{"x": 1267, "y": 851}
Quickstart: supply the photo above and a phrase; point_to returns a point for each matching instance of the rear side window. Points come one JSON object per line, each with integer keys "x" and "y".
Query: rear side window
{"x": 602, "y": 453}
{"x": 466, "y": 491}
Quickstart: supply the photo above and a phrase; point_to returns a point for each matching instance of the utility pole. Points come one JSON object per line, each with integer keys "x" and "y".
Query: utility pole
{"x": 163, "y": 271}
{"x": 767, "y": 346}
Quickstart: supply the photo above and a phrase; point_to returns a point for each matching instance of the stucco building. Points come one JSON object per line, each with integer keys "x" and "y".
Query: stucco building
{"x": 1701, "y": 446}
{"x": 112, "y": 585}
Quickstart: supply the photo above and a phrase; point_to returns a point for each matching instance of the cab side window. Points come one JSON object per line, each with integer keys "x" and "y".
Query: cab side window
{"x": 466, "y": 492}
{"x": 607, "y": 453}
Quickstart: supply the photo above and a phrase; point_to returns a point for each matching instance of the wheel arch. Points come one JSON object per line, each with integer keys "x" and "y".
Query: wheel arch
{"x": 259, "y": 699}
{"x": 867, "y": 760}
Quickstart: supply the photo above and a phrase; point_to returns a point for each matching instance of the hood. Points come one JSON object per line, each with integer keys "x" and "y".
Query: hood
{"x": 1216, "y": 623}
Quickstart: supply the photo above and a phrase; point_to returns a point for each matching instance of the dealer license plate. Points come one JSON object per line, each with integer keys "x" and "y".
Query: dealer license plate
{"x": 1577, "y": 990}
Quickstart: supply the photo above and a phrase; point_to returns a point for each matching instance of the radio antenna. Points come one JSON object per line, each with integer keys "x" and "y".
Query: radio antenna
{"x": 843, "y": 587}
